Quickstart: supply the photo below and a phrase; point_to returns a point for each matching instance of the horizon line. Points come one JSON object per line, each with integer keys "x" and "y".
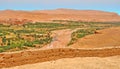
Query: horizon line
{"x": 61, "y": 8}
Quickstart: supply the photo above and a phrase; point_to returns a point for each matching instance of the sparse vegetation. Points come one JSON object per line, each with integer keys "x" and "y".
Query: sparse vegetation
{"x": 90, "y": 28}
{"x": 80, "y": 33}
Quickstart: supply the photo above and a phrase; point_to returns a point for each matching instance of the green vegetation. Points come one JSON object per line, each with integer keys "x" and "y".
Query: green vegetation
{"x": 80, "y": 33}
{"x": 32, "y": 34}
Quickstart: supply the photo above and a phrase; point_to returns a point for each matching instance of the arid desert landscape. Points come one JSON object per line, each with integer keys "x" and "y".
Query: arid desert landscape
{"x": 59, "y": 39}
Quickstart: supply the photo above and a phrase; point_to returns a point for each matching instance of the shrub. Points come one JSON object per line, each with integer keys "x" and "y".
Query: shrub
{"x": 2, "y": 50}
{"x": 28, "y": 43}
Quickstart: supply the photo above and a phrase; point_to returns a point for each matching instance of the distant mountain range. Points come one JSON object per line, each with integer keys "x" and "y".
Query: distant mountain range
{"x": 6, "y": 16}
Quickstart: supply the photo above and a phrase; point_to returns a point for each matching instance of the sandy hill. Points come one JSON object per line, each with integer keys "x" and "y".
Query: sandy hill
{"x": 105, "y": 38}
{"x": 12, "y": 14}
{"x": 59, "y": 14}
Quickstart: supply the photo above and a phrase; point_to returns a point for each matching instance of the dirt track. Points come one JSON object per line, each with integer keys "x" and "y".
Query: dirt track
{"x": 29, "y": 57}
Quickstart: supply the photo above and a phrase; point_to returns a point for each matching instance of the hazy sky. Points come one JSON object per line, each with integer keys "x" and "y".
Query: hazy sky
{"x": 106, "y": 5}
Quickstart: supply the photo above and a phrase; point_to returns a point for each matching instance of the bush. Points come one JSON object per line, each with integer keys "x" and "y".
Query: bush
{"x": 30, "y": 44}
{"x": 2, "y": 50}
{"x": 43, "y": 41}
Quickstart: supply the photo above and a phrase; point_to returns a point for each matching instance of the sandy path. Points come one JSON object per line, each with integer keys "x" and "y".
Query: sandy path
{"x": 60, "y": 38}
{"x": 76, "y": 63}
